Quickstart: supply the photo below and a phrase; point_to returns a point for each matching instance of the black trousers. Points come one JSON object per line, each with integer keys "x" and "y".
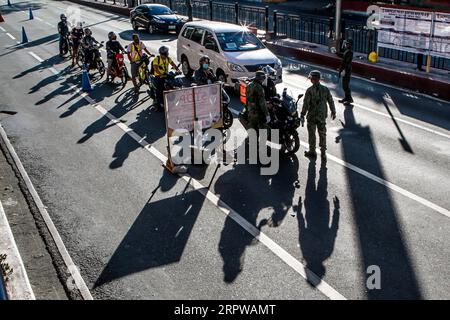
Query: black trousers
{"x": 346, "y": 87}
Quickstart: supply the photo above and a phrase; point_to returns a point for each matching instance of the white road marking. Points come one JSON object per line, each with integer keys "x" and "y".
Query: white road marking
{"x": 19, "y": 287}
{"x": 1, "y": 28}
{"x": 10, "y": 35}
{"x": 48, "y": 23}
{"x": 368, "y": 80}
{"x": 76, "y": 276}
{"x": 53, "y": 70}
{"x": 38, "y": 19}
{"x": 386, "y": 115}
{"x": 385, "y": 183}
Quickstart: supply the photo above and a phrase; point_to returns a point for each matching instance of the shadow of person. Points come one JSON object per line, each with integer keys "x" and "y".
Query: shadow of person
{"x": 316, "y": 235}
{"x": 244, "y": 189}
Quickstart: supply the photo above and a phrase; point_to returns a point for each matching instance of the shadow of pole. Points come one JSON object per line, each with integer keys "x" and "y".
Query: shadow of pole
{"x": 379, "y": 231}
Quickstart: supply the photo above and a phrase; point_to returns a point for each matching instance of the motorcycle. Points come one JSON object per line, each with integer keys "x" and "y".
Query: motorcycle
{"x": 285, "y": 118}
{"x": 96, "y": 63}
{"x": 119, "y": 69}
{"x": 65, "y": 44}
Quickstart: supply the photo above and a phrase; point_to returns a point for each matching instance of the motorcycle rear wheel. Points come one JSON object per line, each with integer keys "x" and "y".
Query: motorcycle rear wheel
{"x": 80, "y": 58}
{"x": 227, "y": 118}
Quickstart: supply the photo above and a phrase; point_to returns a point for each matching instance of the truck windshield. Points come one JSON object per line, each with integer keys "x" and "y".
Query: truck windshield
{"x": 239, "y": 41}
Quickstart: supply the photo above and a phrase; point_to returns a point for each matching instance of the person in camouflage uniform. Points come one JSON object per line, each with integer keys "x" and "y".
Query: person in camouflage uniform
{"x": 316, "y": 111}
{"x": 258, "y": 114}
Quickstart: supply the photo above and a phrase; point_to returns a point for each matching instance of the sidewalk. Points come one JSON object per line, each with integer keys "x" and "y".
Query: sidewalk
{"x": 393, "y": 72}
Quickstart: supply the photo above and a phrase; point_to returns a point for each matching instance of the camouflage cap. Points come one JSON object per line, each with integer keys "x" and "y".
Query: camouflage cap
{"x": 314, "y": 73}
{"x": 349, "y": 41}
{"x": 260, "y": 75}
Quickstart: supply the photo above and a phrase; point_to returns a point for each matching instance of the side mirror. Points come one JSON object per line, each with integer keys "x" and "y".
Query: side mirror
{"x": 126, "y": 47}
{"x": 300, "y": 96}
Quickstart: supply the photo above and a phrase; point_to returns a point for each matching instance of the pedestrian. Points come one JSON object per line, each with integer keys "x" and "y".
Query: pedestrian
{"x": 316, "y": 111}
{"x": 189, "y": 10}
{"x": 345, "y": 71}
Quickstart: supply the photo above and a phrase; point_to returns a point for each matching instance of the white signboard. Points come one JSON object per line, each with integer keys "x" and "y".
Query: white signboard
{"x": 414, "y": 31}
{"x": 188, "y": 105}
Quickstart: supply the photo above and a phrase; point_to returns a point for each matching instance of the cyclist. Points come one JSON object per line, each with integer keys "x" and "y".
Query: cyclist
{"x": 160, "y": 69}
{"x": 135, "y": 52}
{"x": 76, "y": 35}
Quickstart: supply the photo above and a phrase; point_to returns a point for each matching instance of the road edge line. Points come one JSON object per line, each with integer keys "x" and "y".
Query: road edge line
{"x": 18, "y": 286}
{"x": 72, "y": 269}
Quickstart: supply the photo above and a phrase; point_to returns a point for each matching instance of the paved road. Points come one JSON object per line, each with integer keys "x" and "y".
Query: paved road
{"x": 137, "y": 232}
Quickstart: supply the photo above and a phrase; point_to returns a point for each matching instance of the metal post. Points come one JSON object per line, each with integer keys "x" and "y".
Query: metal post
{"x": 236, "y": 9}
{"x": 210, "y": 10}
{"x": 170, "y": 4}
{"x": 337, "y": 27}
{"x": 275, "y": 22}
{"x": 266, "y": 19}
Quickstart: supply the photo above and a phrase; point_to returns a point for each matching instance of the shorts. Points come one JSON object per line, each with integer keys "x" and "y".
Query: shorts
{"x": 134, "y": 69}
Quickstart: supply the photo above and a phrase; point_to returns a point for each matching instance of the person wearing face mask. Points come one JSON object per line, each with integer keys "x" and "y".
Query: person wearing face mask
{"x": 204, "y": 75}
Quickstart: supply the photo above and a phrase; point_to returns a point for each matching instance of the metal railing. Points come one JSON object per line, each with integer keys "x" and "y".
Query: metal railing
{"x": 307, "y": 28}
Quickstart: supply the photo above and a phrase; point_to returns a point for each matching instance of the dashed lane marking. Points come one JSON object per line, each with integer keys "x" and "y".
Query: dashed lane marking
{"x": 10, "y": 35}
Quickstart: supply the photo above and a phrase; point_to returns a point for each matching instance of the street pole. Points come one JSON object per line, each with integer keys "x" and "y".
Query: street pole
{"x": 337, "y": 27}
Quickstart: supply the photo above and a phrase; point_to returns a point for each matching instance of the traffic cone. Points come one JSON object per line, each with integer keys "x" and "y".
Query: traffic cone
{"x": 24, "y": 36}
{"x": 1, "y": 18}
{"x": 9, "y": 3}
{"x": 31, "y": 14}
{"x": 85, "y": 81}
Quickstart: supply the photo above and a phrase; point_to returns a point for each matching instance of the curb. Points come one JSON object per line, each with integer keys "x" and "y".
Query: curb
{"x": 423, "y": 84}
{"x": 105, "y": 6}
{"x": 18, "y": 285}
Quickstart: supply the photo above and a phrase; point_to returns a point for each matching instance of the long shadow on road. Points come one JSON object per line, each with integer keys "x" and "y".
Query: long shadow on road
{"x": 248, "y": 192}
{"x": 159, "y": 234}
{"x": 379, "y": 231}
{"x": 316, "y": 236}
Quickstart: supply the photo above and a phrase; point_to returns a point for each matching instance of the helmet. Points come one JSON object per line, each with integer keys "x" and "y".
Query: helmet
{"x": 260, "y": 75}
{"x": 62, "y": 16}
{"x": 163, "y": 50}
{"x": 87, "y": 32}
{"x": 349, "y": 41}
{"x": 315, "y": 73}
{"x": 203, "y": 59}
{"x": 79, "y": 25}
{"x": 112, "y": 35}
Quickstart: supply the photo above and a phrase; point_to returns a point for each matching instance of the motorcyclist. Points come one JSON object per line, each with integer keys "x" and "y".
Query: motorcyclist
{"x": 160, "y": 70}
{"x": 113, "y": 47}
{"x": 258, "y": 114}
{"x": 204, "y": 75}
{"x": 63, "y": 30}
{"x": 76, "y": 35}
{"x": 88, "y": 44}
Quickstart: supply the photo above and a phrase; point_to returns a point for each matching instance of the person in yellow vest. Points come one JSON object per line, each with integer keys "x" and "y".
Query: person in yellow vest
{"x": 160, "y": 68}
{"x": 135, "y": 51}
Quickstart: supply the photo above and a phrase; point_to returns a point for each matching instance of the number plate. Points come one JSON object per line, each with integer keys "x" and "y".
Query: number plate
{"x": 172, "y": 27}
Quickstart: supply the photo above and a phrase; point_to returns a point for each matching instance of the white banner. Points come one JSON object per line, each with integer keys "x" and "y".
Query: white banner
{"x": 183, "y": 106}
{"x": 414, "y": 31}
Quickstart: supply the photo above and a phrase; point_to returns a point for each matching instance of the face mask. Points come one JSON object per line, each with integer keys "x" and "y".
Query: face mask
{"x": 205, "y": 66}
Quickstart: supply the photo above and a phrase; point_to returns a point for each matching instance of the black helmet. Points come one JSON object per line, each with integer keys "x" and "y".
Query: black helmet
{"x": 87, "y": 32}
{"x": 112, "y": 35}
{"x": 204, "y": 58}
{"x": 62, "y": 16}
{"x": 163, "y": 50}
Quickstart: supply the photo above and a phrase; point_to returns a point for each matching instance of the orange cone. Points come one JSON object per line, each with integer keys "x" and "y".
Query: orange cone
{"x": 1, "y": 18}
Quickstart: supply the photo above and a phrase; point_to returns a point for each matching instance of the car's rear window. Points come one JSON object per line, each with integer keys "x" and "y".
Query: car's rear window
{"x": 197, "y": 35}
{"x": 187, "y": 33}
